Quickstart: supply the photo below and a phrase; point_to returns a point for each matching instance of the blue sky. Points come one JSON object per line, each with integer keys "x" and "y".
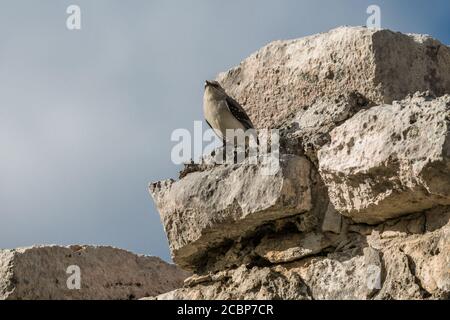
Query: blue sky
{"x": 86, "y": 116}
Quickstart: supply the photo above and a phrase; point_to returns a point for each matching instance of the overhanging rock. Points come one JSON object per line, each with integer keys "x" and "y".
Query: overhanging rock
{"x": 207, "y": 208}
{"x": 391, "y": 262}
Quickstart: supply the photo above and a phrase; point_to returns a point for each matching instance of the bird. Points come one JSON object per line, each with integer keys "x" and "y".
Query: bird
{"x": 222, "y": 112}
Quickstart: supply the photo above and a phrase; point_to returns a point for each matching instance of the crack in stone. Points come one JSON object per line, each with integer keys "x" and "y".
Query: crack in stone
{"x": 412, "y": 268}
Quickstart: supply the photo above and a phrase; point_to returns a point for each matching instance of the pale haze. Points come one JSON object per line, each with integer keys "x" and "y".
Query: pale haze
{"x": 86, "y": 116}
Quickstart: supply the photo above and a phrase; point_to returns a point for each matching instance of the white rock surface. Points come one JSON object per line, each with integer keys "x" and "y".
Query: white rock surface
{"x": 291, "y": 247}
{"x": 204, "y": 209}
{"x": 390, "y": 160}
{"x": 374, "y": 220}
{"x": 413, "y": 265}
{"x": 245, "y": 284}
{"x": 40, "y": 273}
{"x": 332, "y": 221}
{"x": 283, "y": 77}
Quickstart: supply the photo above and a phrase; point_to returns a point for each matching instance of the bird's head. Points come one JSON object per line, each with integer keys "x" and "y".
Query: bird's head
{"x": 213, "y": 84}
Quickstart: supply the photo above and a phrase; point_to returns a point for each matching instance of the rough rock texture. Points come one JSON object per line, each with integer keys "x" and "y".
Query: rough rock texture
{"x": 390, "y": 160}
{"x": 373, "y": 217}
{"x": 207, "y": 208}
{"x": 284, "y": 76}
{"x": 309, "y": 129}
{"x": 106, "y": 273}
{"x": 412, "y": 264}
{"x": 244, "y": 284}
{"x": 332, "y": 221}
{"x": 291, "y": 247}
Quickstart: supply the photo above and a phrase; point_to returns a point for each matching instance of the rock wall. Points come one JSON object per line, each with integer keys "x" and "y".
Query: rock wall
{"x": 382, "y": 65}
{"x": 359, "y": 207}
{"x": 40, "y": 273}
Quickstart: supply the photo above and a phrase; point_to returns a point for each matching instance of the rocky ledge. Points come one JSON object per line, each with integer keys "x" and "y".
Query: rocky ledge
{"x": 50, "y": 272}
{"x": 360, "y": 205}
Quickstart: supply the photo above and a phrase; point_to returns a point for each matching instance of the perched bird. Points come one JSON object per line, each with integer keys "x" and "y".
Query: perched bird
{"x": 223, "y": 112}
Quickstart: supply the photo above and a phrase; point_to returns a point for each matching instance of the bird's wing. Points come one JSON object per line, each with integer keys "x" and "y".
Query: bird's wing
{"x": 239, "y": 113}
{"x": 209, "y": 124}
{"x": 217, "y": 132}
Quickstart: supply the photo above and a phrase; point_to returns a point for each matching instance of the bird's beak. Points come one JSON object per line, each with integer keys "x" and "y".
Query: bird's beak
{"x": 207, "y": 83}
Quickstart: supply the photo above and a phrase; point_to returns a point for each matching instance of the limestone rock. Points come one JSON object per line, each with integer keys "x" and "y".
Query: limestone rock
{"x": 332, "y": 221}
{"x": 334, "y": 278}
{"x": 274, "y": 83}
{"x": 310, "y": 127}
{"x": 359, "y": 208}
{"x": 196, "y": 279}
{"x": 246, "y": 284}
{"x": 408, "y": 265}
{"x": 206, "y": 208}
{"x": 374, "y": 270}
{"x": 400, "y": 282}
{"x": 291, "y": 247}
{"x": 390, "y": 160}
{"x": 38, "y": 273}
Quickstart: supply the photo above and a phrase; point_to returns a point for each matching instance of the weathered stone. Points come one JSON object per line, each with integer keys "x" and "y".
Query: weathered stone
{"x": 334, "y": 278}
{"x": 372, "y": 222}
{"x": 411, "y": 266}
{"x": 274, "y": 83}
{"x": 424, "y": 256}
{"x": 374, "y": 270}
{"x": 433, "y": 271}
{"x": 400, "y": 282}
{"x": 291, "y": 247}
{"x": 310, "y": 128}
{"x": 207, "y": 208}
{"x": 106, "y": 273}
{"x": 332, "y": 221}
{"x": 436, "y": 218}
{"x": 246, "y": 284}
{"x": 196, "y": 279}
{"x": 294, "y": 235}
{"x": 390, "y": 160}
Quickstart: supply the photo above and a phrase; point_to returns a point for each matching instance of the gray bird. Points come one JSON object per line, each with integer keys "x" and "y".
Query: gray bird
{"x": 223, "y": 112}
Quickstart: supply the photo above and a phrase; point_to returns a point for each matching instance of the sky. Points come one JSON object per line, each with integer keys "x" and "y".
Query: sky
{"x": 86, "y": 115}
